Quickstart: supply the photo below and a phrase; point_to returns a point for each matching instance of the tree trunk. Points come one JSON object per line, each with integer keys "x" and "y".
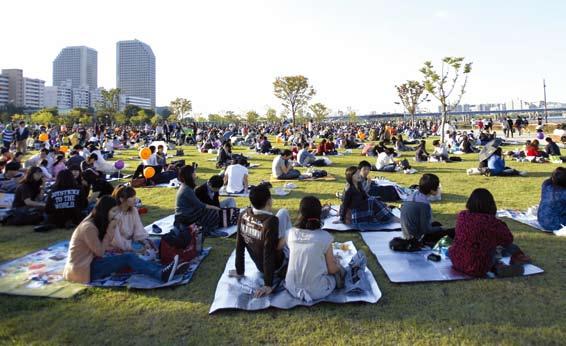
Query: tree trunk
{"x": 442, "y": 130}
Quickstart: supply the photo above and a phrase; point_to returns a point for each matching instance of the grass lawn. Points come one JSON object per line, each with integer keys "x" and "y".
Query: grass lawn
{"x": 525, "y": 310}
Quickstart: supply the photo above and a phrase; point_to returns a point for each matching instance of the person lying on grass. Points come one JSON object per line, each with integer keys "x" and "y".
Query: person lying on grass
{"x": 551, "y": 212}
{"x": 360, "y": 209}
{"x": 313, "y": 271}
{"x": 90, "y": 240}
{"x": 481, "y": 240}
{"x": 263, "y": 235}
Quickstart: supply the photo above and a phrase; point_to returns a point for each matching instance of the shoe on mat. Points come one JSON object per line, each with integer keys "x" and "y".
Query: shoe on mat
{"x": 520, "y": 258}
{"x": 168, "y": 271}
{"x": 182, "y": 268}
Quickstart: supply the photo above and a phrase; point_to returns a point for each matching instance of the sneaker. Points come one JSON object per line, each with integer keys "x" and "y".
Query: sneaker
{"x": 520, "y": 258}
{"x": 505, "y": 271}
{"x": 469, "y": 171}
{"x": 182, "y": 268}
{"x": 523, "y": 173}
{"x": 168, "y": 271}
{"x": 339, "y": 195}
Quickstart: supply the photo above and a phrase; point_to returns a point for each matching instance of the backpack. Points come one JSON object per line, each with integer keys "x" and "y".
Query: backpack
{"x": 319, "y": 174}
{"x": 184, "y": 241}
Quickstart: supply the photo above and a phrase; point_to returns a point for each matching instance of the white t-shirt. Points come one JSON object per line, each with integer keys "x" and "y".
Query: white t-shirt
{"x": 236, "y": 174}
{"x": 307, "y": 274}
{"x": 382, "y": 160}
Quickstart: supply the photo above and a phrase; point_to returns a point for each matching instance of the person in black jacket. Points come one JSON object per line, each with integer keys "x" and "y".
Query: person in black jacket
{"x": 224, "y": 155}
{"x": 208, "y": 193}
{"x": 21, "y": 136}
{"x": 65, "y": 201}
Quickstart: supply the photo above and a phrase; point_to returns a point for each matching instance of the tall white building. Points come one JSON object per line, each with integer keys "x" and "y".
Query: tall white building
{"x": 15, "y": 86}
{"x": 4, "y": 90}
{"x": 135, "y": 70}
{"x": 79, "y": 64}
{"x": 59, "y": 96}
{"x": 81, "y": 97}
{"x": 33, "y": 93}
{"x": 141, "y": 102}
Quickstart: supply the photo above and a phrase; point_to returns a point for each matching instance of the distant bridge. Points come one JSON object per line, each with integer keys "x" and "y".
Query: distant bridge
{"x": 553, "y": 112}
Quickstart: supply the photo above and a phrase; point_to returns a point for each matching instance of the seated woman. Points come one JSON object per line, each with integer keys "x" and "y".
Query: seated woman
{"x": 496, "y": 166}
{"x": 161, "y": 157}
{"x": 551, "y": 213}
{"x": 129, "y": 227}
{"x": 90, "y": 240}
{"x": 330, "y": 147}
{"x": 65, "y": 201}
{"x": 321, "y": 148}
{"x": 224, "y": 157}
{"x": 360, "y": 209}
{"x": 440, "y": 152}
{"x": 478, "y": 235}
{"x": 313, "y": 272}
{"x": 466, "y": 146}
{"x": 400, "y": 144}
{"x": 190, "y": 210}
{"x": 44, "y": 166}
{"x": 59, "y": 165}
{"x": 532, "y": 150}
{"x": 29, "y": 194}
{"x": 421, "y": 155}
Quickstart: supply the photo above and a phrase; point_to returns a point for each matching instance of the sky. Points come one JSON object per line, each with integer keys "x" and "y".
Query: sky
{"x": 225, "y": 55}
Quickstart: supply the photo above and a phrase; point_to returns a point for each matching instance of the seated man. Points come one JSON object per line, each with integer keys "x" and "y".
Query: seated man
{"x": 385, "y": 162}
{"x": 11, "y": 178}
{"x": 416, "y": 213}
{"x": 236, "y": 177}
{"x": 281, "y": 167}
{"x": 305, "y": 158}
{"x": 208, "y": 193}
{"x": 224, "y": 157}
{"x": 440, "y": 152}
{"x": 263, "y": 235}
{"x": 551, "y": 148}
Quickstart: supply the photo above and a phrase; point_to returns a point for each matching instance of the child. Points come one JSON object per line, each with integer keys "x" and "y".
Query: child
{"x": 478, "y": 235}
{"x": 313, "y": 271}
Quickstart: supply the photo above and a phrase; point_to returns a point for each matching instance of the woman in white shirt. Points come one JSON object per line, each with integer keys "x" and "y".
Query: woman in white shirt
{"x": 313, "y": 271}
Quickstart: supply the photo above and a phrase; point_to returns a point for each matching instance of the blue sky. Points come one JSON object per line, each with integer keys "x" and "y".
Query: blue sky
{"x": 224, "y": 55}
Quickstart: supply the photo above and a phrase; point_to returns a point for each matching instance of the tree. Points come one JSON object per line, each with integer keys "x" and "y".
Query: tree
{"x": 215, "y": 118}
{"x": 231, "y": 117}
{"x": 412, "y": 94}
{"x": 352, "y": 116}
{"x": 131, "y": 110}
{"x": 180, "y": 107}
{"x": 43, "y": 118}
{"x": 140, "y": 118}
{"x": 271, "y": 115}
{"x": 319, "y": 111}
{"x": 294, "y": 92}
{"x": 155, "y": 119}
{"x": 252, "y": 117}
{"x": 120, "y": 118}
{"x": 442, "y": 85}
{"x": 109, "y": 104}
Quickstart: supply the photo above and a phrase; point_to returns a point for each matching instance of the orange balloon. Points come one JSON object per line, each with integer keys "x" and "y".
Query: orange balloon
{"x": 64, "y": 149}
{"x": 145, "y": 153}
{"x": 148, "y": 172}
{"x": 43, "y": 137}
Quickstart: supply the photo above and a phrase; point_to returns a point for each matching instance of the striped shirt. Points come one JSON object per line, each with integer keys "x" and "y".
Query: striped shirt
{"x": 7, "y": 135}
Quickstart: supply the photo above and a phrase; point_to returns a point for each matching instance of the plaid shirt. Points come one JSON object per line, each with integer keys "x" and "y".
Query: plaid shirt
{"x": 375, "y": 212}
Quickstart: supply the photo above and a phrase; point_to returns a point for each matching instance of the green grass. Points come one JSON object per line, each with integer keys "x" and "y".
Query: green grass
{"x": 525, "y": 310}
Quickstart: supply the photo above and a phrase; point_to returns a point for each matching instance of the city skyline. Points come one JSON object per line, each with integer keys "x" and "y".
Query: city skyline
{"x": 225, "y": 56}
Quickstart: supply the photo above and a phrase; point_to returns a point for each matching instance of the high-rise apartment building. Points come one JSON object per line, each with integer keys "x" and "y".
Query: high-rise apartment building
{"x": 60, "y": 97}
{"x": 135, "y": 70}
{"x": 4, "y": 90}
{"x": 15, "y": 86}
{"x": 79, "y": 64}
{"x": 33, "y": 93}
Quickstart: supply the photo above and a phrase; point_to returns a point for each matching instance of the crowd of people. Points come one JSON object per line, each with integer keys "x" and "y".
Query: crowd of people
{"x": 66, "y": 184}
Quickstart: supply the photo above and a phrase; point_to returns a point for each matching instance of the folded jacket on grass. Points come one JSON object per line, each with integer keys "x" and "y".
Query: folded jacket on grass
{"x": 233, "y": 293}
{"x": 330, "y": 225}
{"x": 39, "y": 274}
{"x": 405, "y": 267}
{"x": 140, "y": 281}
{"x": 166, "y": 224}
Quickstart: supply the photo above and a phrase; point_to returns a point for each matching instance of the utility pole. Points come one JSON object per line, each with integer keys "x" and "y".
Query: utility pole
{"x": 545, "y": 109}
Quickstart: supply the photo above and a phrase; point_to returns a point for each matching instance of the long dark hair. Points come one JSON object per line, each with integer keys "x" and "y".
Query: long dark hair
{"x": 559, "y": 177}
{"x": 65, "y": 180}
{"x": 123, "y": 192}
{"x": 350, "y": 171}
{"x": 99, "y": 215}
{"x": 310, "y": 210}
{"x": 29, "y": 181}
{"x": 186, "y": 176}
{"x": 481, "y": 201}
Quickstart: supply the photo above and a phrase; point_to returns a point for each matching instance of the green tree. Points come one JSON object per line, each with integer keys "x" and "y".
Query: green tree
{"x": 131, "y": 110}
{"x": 442, "y": 85}
{"x": 181, "y": 107}
{"x": 215, "y": 118}
{"x": 412, "y": 94}
{"x": 252, "y": 117}
{"x": 155, "y": 119}
{"x": 43, "y": 118}
{"x": 231, "y": 117}
{"x": 294, "y": 93}
{"x": 109, "y": 103}
{"x": 352, "y": 116}
{"x": 21, "y": 117}
{"x": 140, "y": 118}
{"x": 271, "y": 115}
{"x": 120, "y": 118}
{"x": 320, "y": 112}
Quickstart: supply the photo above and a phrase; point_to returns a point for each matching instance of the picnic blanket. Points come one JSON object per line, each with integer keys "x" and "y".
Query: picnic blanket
{"x": 39, "y": 274}
{"x": 404, "y": 267}
{"x": 173, "y": 184}
{"x": 166, "y": 224}
{"x": 528, "y": 217}
{"x": 330, "y": 225}
{"x": 6, "y": 199}
{"x": 329, "y": 177}
{"x": 278, "y": 191}
{"x": 233, "y": 293}
{"x": 140, "y": 281}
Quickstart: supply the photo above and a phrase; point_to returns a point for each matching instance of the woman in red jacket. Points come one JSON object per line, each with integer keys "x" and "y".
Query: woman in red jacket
{"x": 481, "y": 239}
